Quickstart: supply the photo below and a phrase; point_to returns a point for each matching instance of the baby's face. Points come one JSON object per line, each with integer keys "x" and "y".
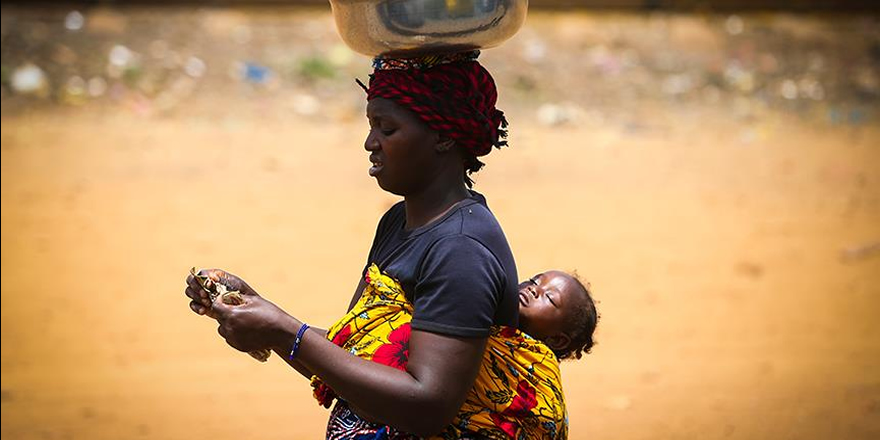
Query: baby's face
{"x": 546, "y": 302}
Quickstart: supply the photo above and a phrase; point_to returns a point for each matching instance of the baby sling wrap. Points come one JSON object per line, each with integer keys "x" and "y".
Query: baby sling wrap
{"x": 518, "y": 390}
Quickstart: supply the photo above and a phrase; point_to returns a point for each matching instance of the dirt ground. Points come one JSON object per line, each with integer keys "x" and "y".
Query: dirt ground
{"x": 735, "y": 256}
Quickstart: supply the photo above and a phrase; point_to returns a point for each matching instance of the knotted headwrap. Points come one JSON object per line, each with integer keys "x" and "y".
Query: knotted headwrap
{"x": 453, "y": 94}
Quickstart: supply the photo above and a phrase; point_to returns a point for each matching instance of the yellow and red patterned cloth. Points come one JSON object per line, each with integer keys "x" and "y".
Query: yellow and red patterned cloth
{"x": 517, "y": 393}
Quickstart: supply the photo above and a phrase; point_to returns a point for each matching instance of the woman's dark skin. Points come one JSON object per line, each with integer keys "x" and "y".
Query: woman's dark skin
{"x": 411, "y": 160}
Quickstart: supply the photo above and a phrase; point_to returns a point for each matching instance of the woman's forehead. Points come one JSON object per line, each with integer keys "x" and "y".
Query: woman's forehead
{"x": 382, "y": 106}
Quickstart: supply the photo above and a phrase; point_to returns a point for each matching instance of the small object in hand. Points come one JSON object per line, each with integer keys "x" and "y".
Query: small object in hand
{"x": 229, "y": 297}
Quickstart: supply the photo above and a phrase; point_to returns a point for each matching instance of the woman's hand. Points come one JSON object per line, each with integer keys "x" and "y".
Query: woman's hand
{"x": 200, "y": 300}
{"x": 256, "y": 324}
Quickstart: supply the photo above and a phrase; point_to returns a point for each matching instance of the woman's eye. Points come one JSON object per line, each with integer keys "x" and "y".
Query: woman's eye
{"x": 550, "y": 298}
{"x": 533, "y": 281}
{"x": 388, "y": 131}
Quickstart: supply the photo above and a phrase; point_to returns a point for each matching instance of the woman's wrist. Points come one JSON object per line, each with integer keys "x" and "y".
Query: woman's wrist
{"x": 297, "y": 341}
{"x": 287, "y": 331}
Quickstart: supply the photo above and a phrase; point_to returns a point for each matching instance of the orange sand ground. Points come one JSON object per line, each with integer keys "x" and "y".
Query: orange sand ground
{"x": 737, "y": 279}
{"x": 729, "y": 306}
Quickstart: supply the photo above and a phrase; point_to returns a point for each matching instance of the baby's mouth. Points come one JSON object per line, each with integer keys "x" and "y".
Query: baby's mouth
{"x": 524, "y": 298}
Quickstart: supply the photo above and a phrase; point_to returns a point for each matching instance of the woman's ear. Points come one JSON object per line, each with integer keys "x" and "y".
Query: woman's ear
{"x": 558, "y": 342}
{"x": 444, "y": 144}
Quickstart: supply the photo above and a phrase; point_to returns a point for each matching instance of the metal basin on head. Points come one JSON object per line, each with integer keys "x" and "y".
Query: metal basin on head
{"x": 401, "y": 28}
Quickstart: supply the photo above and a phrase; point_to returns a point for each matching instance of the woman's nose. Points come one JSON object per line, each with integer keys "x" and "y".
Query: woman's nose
{"x": 371, "y": 143}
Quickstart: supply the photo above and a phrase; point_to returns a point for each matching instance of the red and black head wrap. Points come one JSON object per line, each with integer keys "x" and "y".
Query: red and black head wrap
{"x": 453, "y": 94}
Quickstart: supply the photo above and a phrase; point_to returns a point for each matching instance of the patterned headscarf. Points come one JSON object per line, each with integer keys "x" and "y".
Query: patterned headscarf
{"x": 452, "y": 93}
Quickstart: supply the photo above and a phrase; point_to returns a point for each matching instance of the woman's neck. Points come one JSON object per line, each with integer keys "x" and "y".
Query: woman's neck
{"x": 431, "y": 204}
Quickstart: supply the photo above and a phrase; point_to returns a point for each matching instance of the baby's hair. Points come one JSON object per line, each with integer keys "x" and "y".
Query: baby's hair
{"x": 582, "y": 325}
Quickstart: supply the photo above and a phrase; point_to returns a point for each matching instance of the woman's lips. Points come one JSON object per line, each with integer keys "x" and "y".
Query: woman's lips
{"x": 377, "y": 166}
{"x": 524, "y": 298}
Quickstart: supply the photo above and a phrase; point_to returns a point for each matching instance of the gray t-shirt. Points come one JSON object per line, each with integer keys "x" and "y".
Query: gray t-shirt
{"x": 458, "y": 271}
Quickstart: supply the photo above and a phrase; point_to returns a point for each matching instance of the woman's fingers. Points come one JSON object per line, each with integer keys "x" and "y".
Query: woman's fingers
{"x": 214, "y": 275}
{"x": 201, "y": 299}
{"x": 201, "y": 309}
{"x": 219, "y": 310}
{"x": 191, "y": 281}
{"x": 195, "y": 291}
{"x": 198, "y": 308}
{"x": 228, "y": 335}
{"x": 197, "y": 294}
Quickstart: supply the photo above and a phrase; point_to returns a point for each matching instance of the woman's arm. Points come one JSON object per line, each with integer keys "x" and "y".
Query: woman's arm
{"x": 295, "y": 364}
{"x": 422, "y": 400}
{"x": 284, "y": 353}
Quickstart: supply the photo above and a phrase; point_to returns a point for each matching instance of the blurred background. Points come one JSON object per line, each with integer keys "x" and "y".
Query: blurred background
{"x": 712, "y": 168}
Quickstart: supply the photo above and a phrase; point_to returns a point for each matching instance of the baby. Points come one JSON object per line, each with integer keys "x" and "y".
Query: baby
{"x": 557, "y": 309}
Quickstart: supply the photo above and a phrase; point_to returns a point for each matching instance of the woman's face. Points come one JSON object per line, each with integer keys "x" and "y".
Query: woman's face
{"x": 402, "y": 148}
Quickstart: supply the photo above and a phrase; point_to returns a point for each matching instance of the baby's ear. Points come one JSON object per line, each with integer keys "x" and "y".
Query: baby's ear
{"x": 558, "y": 342}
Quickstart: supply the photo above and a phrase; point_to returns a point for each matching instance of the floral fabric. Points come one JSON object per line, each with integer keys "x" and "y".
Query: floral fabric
{"x": 346, "y": 425}
{"x": 517, "y": 393}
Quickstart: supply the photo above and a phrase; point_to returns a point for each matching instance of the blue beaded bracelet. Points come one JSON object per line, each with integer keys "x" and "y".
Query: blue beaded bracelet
{"x": 297, "y": 341}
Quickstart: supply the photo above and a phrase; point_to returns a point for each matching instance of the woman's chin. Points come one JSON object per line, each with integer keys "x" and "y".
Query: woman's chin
{"x": 388, "y": 188}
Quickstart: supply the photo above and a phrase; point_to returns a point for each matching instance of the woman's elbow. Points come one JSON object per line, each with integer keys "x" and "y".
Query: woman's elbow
{"x": 433, "y": 421}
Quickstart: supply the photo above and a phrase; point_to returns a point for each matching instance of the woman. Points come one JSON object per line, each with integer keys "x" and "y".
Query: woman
{"x": 430, "y": 119}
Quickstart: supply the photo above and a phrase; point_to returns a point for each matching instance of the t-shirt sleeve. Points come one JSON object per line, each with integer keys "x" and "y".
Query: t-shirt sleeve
{"x": 459, "y": 288}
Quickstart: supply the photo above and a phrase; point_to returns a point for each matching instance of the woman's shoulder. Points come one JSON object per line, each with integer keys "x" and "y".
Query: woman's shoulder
{"x": 397, "y": 208}
{"x": 477, "y": 219}
{"x": 396, "y": 212}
